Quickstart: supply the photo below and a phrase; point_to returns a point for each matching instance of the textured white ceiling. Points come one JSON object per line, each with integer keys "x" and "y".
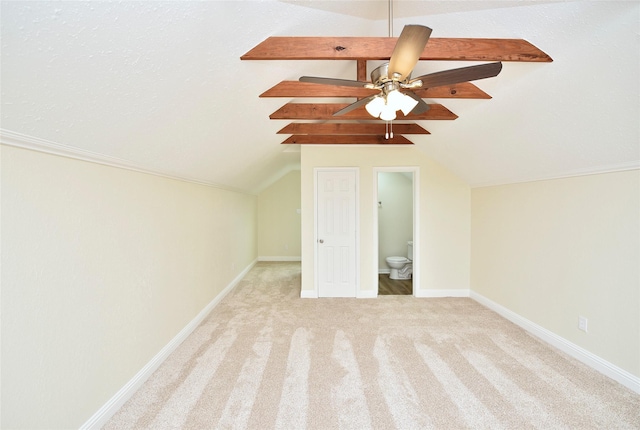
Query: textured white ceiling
{"x": 161, "y": 84}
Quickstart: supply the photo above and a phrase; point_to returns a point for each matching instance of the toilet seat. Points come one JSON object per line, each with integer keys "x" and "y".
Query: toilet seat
{"x": 398, "y": 259}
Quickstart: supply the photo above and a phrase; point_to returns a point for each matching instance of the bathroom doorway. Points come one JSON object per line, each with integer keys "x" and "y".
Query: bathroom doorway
{"x": 395, "y": 230}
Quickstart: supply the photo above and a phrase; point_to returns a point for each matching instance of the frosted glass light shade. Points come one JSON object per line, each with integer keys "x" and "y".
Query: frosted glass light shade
{"x": 401, "y": 101}
{"x": 388, "y": 113}
{"x": 375, "y": 106}
{"x": 407, "y": 104}
{"x": 385, "y": 107}
{"x": 394, "y": 99}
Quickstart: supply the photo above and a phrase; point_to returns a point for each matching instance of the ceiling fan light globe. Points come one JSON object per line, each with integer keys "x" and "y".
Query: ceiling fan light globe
{"x": 375, "y": 106}
{"x": 388, "y": 114}
{"x": 394, "y": 99}
{"x": 407, "y": 104}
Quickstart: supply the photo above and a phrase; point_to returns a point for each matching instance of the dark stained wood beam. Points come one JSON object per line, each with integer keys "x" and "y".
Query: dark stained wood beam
{"x": 362, "y": 70}
{"x": 330, "y": 128}
{"x": 341, "y": 139}
{"x": 381, "y": 48}
{"x": 465, "y": 90}
{"x": 307, "y": 89}
{"x": 325, "y": 111}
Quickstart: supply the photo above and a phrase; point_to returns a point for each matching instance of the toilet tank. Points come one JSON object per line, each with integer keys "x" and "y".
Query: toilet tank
{"x": 410, "y": 250}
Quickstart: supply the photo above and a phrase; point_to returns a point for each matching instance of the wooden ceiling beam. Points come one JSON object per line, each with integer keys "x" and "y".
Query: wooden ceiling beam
{"x": 341, "y": 139}
{"x": 329, "y": 128}
{"x": 381, "y": 48}
{"x": 361, "y": 71}
{"x": 307, "y": 89}
{"x": 325, "y": 111}
{"x": 465, "y": 90}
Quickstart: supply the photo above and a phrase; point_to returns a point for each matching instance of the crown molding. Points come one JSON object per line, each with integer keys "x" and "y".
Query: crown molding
{"x": 610, "y": 168}
{"x": 19, "y": 140}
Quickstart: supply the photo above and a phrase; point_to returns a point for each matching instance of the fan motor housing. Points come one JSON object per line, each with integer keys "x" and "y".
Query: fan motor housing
{"x": 380, "y": 75}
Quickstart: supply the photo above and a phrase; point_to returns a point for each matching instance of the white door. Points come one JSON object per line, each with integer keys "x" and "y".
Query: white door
{"x": 336, "y": 233}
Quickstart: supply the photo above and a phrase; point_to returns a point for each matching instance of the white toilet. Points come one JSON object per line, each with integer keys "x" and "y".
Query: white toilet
{"x": 401, "y": 267}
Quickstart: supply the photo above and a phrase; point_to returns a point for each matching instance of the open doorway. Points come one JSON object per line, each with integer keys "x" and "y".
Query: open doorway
{"x": 396, "y": 220}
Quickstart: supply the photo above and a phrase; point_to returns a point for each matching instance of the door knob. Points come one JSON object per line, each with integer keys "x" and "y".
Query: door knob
{"x": 321, "y": 241}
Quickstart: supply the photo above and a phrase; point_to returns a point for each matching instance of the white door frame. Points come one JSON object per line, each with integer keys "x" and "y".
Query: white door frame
{"x": 356, "y": 170}
{"x": 416, "y": 222}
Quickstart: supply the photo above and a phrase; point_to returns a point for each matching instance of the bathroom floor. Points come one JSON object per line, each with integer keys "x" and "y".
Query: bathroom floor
{"x": 397, "y": 287}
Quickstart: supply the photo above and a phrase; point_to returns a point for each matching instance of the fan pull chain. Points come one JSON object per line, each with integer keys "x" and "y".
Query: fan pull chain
{"x": 388, "y": 130}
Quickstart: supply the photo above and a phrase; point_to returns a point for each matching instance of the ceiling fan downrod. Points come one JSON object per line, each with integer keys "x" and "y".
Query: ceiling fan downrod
{"x": 390, "y": 18}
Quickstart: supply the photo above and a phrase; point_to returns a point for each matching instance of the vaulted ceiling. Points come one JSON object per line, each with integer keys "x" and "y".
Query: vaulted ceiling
{"x": 161, "y": 85}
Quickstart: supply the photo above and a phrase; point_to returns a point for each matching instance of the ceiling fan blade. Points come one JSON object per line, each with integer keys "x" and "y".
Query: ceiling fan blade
{"x": 407, "y": 51}
{"x": 331, "y": 81}
{"x": 421, "y": 107}
{"x": 355, "y": 105}
{"x": 456, "y": 76}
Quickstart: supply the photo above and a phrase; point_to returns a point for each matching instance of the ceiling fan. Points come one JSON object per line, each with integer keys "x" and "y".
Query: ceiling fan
{"x": 393, "y": 79}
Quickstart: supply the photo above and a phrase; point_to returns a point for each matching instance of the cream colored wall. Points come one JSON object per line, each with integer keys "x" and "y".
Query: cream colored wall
{"x": 445, "y": 215}
{"x": 552, "y": 251}
{"x": 278, "y": 219}
{"x": 101, "y": 268}
{"x": 395, "y": 216}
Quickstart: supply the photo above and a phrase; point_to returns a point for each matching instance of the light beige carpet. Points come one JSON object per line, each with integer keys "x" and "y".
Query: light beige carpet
{"x": 264, "y": 358}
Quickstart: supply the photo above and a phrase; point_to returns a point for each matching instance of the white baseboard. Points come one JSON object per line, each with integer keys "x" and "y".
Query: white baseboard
{"x": 367, "y": 294}
{"x": 308, "y": 294}
{"x": 101, "y": 417}
{"x": 442, "y": 293}
{"x": 606, "y": 368}
{"x": 279, "y": 258}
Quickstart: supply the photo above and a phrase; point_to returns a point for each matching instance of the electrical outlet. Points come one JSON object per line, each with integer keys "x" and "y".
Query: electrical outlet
{"x": 286, "y": 247}
{"x": 582, "y": 324}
